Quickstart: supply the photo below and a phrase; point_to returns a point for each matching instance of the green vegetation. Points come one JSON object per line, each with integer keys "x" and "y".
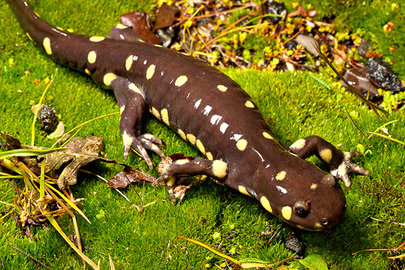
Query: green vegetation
{"x": 295, "y": 104}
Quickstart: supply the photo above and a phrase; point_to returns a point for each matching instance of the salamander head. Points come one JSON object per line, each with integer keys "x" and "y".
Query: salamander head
{"x": 301, "y": 194}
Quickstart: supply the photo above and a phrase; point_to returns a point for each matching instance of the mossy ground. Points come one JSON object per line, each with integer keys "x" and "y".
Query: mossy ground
{"x": 296, "y": 106}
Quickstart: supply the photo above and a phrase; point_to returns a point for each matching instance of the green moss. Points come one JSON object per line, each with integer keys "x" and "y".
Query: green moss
{"x": 295, "y": 105}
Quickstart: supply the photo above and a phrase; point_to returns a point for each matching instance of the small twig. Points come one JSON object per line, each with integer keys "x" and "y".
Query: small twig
{"x": 276, "y": 232}
{"x": 389, "y": 222}
{"x": 36, "y": 260}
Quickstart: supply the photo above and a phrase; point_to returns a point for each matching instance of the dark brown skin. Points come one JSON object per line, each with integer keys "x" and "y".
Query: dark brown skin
{"x": 209, "y": 110}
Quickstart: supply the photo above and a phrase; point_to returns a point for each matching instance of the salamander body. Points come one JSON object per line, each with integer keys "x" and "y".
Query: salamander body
{"x": 212, "y": 112}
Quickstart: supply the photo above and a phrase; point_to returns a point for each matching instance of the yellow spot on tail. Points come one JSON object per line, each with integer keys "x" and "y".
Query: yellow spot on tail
{"x": 191, "y": 138}
{"x": 241, "y": 144}
{"x": 219, "y": 168}
{"x": 128, "y": 62}
{"x": 108, "y": 78}
{"x": 266, "y": 204}
{"x": 96, "y": 39}
{"x": 243, "y": 190}
{"x": 165, "y": 116}
{"x": 181, "y": 80}
{"x": 87, "y": 72}
{"x": 182, "y": 134}
{"x": 298, "y": 144}
{"x": 91, "y": 57}
{"x": 286, "y": 212}
{"x": 121, "y": 26}
{"x": 209, "y": 156}
{"x": 200, "y": 147}
{"x": 47, "y": 45}
{"x": 249, "y": 104}
{"x": 222, "y": 88}
{"x": 267, "y": 135}
{"x": 134, "y": 88}
{"x": 150, "y": 72}
{"x": 326, "y": 155}
{"x": 155, "y": 112}
{"x": 314, "y": 186}
{"x": 280, "y": 176}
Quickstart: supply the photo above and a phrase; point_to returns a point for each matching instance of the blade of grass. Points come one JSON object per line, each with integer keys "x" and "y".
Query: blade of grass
{"x": 67, "y": 200}
{"x": 36, "y": 113}
{"x": 385, "y": 137}
{"x": 27, "y": 152}
{"x": 42, "y": 181}
{"x": 210, "y": 249}
{"x": 83, "y": 124}
{"x": 386, "y": 124}
{"x": 60, "y": 231}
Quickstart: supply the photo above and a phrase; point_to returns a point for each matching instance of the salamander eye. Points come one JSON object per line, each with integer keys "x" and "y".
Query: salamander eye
{"x": 301, "y": 208}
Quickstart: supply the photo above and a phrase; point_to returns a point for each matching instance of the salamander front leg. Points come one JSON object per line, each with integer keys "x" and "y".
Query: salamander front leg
{"x": 132, "y": 105}
{"x": 339, "y": 162}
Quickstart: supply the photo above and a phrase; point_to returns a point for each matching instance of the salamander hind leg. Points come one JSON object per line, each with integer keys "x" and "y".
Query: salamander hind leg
{"x": 217, "y": 169}
{"x": 339, "y": 162}
{"x": 132, "y": 105}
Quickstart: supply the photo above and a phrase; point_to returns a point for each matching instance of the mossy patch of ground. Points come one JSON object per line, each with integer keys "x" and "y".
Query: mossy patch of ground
{"x": 295, "y": 104}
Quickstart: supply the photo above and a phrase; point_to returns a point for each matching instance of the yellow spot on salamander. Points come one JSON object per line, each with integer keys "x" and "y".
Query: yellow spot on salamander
{"x": 181, "y": 80}
{"x": 243, "y": 190}
{"x": 318, "y": 225}
{"x": 96, "y": 39}
{"x": 222, "y": 88}
{"x": 267, "y": 135}
{"x": 266, "y": 204}
{"x": 122, "y": 109}
{"x": 182, "y": 134}
{"x": 191, "y": 138}
{"x": 219, "y": 168}
{"x": 200, "y": 147}
{"x": 209, "y": 156}
{"x": 241, "y": 144}
{"x": 314, "y": 186}
{"x": 91, "y": 57}
{"x": 249, "y": 104}
{"x": 298, "y": 144}
{"x": 87, "y": 72}
{"x": 150, "y": 72}
{"x": 134, "y": 88}
{"x": 326, "y": 155}
{"x": 155, "y": 112}
{"x": 128, "y": 62}
{"x": 280, "y": 176}
{"x": 182, "y": 161}
{"x": 108, "y": 78}
{"x": 165, "y": 116}
{"x": 47, "y": 45}
{"x": 286, "y": 212}
{"x": 127, "y": 139}
{"x": 28, "y": 35}
{"x": 121, "y": 26}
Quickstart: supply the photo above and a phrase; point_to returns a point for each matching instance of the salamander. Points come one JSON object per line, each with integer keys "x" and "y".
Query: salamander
{"x": 209, "y": 110}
